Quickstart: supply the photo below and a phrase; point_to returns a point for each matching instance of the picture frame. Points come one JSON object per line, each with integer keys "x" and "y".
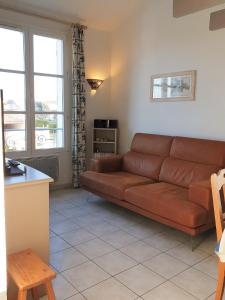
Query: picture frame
{"x": 176, "y": 86}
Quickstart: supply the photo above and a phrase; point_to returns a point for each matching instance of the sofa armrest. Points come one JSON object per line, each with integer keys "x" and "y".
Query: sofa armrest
{"x": 200, "y": 193}
{"x": 107, "y": 164}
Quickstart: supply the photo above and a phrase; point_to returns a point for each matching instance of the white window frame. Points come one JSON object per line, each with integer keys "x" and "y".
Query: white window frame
{"x": 28, "y": 32}
{"x": 25, "y": 112}
{"x": 63, "y": 76}
{"x": 3, "y": 281}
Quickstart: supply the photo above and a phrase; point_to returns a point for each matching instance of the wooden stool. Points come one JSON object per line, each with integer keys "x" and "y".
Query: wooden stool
{"x": 28, "y": 271}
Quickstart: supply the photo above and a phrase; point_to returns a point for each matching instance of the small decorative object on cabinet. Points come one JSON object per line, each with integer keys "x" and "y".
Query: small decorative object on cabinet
{"x": 105, "y": 139}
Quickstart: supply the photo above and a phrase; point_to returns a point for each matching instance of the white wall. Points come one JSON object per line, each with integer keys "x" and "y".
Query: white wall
{"x": 154, "y": 42}
{"x": 98, "y": 55}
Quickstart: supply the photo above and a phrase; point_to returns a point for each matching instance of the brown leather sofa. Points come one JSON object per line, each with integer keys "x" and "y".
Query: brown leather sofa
{"x": 164, "y": 178}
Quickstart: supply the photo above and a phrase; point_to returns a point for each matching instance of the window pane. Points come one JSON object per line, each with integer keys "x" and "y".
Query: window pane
{"x": 11, "y": 50}
{"x": 15, "y": 135}
{"x": 13, "y": 86}
{"x": 48, "y": 94}
{"x": 49, "y": 131}
{"x": 48, "y": 55}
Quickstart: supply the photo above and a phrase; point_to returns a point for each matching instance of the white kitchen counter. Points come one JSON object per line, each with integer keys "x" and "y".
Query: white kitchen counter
{"x": 31, "y": 177}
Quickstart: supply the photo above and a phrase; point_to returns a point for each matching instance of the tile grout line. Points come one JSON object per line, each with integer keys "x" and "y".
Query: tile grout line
{"x": 119, "y": 249}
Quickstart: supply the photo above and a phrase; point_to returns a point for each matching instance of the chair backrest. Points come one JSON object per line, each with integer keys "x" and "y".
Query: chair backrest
{"x": 218, "y": 184}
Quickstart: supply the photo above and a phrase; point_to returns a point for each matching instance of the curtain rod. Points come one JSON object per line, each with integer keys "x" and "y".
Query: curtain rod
{"x": 39, "y": 15}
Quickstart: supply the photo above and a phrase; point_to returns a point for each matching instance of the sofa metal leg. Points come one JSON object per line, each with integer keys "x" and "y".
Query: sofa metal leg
{"x": 192, "y": 243}
{"x": 196, "y": 241}
{"x": 88, "y": 198}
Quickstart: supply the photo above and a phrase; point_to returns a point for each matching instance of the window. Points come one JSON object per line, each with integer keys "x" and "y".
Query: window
{"x": 12, "y": 81}
{"x": 33, "y": 90}
{"x": 48, "y": 92}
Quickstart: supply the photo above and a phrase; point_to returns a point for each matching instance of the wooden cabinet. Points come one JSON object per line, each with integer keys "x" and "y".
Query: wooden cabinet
{"x": 27, "y": 215}
{"x": 105, "y": 141}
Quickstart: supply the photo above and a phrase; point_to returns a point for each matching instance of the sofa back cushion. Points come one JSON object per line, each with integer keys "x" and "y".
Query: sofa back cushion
{"x": 183, "y": 173}
{"x": 192, "y": 160}
{"x": 198, "y": 150}
{"x": 154, "y": 144}
{"x": 141, "y": 164}
{"x": 147, "y": 154}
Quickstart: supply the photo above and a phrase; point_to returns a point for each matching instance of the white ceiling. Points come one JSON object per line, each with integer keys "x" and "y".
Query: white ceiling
{"x": 101, "y": 14}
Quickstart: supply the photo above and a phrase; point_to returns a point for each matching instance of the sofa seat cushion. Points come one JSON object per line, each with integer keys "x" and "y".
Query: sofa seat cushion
{"x": 168, "y": 201}
{"x": 113, "y": 184}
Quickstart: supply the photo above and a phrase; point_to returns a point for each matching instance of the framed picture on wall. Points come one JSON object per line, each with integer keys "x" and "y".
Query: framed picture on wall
{"x": 179, "y": 86}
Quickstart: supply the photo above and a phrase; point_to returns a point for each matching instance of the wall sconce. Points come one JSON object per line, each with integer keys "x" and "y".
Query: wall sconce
{"x": 95, "y": 83}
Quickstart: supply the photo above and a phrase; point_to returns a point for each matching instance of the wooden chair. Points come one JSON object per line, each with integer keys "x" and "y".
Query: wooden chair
{"x": 218, "y": 186}
{"x": 28, "y": 272}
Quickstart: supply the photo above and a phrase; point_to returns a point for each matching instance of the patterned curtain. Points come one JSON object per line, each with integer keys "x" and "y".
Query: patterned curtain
{"x": 78, "y": 105}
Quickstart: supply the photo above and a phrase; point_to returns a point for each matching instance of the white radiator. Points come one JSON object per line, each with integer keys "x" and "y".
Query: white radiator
{"x": 48, "y": 165}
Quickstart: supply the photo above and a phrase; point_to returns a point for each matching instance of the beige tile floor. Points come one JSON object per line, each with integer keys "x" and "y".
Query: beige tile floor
{"x": 103, "y": 252}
